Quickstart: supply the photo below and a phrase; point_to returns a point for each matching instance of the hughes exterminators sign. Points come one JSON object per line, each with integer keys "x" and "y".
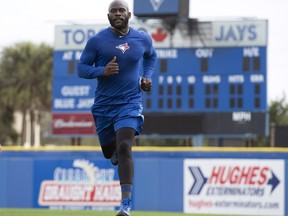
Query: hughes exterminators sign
{"x": 227, "y": 186}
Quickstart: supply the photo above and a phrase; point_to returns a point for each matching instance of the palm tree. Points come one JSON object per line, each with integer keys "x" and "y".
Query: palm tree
{"x": 7, "y": 132}
{"x": 26, "y": 79}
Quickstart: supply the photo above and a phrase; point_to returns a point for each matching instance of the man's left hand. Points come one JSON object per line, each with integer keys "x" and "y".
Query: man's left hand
{"x": 146, "y": 84}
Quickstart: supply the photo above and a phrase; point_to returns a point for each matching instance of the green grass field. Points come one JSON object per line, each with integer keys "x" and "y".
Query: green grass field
{"x": 34, "y": 212}
{"x": 42, "y": 212}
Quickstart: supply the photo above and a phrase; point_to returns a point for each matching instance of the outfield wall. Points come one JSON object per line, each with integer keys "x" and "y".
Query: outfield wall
{"x": 250, "y": 181}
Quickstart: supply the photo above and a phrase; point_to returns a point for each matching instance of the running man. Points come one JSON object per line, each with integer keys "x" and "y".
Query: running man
{"x": 114, "y": 57}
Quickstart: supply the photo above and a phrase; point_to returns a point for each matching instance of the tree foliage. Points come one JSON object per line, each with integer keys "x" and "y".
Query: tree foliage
{"x": 25, "y": 82}
{"x": 7, "y": 132}
{"x": 278, "y": 111}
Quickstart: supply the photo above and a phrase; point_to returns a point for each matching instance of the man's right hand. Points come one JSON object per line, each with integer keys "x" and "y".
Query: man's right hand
{"x": 111, "y": 68}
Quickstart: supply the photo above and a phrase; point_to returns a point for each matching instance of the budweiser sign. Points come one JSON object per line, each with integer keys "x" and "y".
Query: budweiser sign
{"x": 73, "y": 124}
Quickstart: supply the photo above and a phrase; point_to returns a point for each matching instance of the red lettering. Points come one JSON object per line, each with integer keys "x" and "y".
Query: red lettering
{"x": 234, "y": 175}
{"x": 253, "y": 175}
{"x": 216, "y": 173}
{"x": 263, "y": 176}
{"x": 223, "y": 180}
{"x": 244, "y": 175}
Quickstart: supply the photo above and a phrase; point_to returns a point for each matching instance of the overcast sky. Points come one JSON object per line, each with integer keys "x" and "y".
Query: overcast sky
{"x": 34, "y": 20}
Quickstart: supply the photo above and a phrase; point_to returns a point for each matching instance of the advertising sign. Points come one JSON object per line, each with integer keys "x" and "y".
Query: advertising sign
{"x": 73, "y": 123}
{"x": 227, "y": 186}
{"x": 78, "y": 184}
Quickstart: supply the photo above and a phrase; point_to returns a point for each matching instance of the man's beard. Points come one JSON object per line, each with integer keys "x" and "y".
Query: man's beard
{"x": 119, "y": 27}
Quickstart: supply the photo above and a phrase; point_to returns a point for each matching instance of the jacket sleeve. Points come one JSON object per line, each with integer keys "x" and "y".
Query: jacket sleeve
{"x": 85, "y": 67}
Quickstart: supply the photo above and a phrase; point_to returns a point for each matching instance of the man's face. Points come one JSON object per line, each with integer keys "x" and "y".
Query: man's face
{"x": 118, "y": 15}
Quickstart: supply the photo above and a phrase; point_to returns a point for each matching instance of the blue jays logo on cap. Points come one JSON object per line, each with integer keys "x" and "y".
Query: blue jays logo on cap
{"x": 123, "y": 47}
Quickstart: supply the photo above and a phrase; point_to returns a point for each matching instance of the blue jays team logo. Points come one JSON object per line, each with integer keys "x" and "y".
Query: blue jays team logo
{"x": 156, "y": 4}
{"x": 123, "y": 47}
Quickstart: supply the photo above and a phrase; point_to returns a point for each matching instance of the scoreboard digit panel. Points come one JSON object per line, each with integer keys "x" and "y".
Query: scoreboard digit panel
{"x": 207, "y": 123}
{"x": 218, "y": 79}
{"x": 235, "y": 123}
{"x": 219, "y": 90}
{"x": 167, "y": 124}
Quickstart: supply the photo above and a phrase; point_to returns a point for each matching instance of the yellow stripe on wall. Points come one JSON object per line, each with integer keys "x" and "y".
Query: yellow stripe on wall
{"x": 149, "y": 148}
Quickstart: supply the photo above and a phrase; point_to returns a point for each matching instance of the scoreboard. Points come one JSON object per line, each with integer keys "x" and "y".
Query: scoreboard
{"x": 221, "y": 90}
{"x": 209, "y": 80}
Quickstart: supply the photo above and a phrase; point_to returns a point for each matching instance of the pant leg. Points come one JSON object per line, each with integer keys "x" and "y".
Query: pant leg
{"x": 125, "y": 137}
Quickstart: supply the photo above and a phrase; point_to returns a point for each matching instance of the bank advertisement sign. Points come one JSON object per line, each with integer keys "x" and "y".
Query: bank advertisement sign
{"x": 77, "y": 184}
{"x": 230, "y": 186}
